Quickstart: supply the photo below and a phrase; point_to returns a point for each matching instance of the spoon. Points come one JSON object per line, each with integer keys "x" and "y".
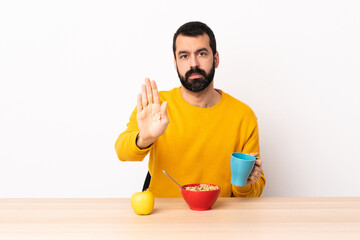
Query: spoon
{"x": 173, "y": 180}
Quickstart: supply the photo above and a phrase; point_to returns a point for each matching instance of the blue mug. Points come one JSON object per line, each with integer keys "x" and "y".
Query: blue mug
{"x": 241, "y": 165}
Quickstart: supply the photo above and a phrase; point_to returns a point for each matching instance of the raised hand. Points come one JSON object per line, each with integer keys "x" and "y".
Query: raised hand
{"x": 151, "y": 117}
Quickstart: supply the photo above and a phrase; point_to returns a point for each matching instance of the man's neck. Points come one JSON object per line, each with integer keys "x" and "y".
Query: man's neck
{"x": 209, "y": 97}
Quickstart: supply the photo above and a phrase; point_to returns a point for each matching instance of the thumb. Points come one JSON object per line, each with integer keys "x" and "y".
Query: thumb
{"x": 163, "y": 109}
{"x": 254, "y": 154}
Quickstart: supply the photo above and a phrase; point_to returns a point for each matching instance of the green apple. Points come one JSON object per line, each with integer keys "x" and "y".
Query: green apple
{"x": 142, "y": 202}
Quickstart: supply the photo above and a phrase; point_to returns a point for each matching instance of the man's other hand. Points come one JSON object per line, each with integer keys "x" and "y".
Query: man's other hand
{"x": 257, "y": 170}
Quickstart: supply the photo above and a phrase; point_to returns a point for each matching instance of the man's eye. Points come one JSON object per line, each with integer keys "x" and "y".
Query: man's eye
{"x": 202, "y": 54}
{"x": 183, "y": 56}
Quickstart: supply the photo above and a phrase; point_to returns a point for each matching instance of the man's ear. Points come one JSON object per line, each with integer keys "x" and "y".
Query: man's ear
{"x": 216, "y": 59}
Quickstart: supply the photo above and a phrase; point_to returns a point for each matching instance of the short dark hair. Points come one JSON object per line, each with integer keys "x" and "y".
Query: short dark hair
{"x": 193, "y": 29}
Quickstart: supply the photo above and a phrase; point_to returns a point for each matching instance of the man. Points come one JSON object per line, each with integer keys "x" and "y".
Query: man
{"x": 191, "y": 131}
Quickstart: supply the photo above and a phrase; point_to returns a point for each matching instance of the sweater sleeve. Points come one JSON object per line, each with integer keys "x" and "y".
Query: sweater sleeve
{"x": 251, "y": 146}
{"x": 125, "y": 146}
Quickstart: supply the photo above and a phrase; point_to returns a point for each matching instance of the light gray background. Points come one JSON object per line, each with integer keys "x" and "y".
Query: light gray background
{"x": 70, "y": 72}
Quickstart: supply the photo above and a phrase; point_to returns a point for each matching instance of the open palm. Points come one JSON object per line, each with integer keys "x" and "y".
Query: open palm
{"x": 151, "y": 115}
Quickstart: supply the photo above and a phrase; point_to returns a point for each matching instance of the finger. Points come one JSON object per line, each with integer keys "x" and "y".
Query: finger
{"x": 149, "y": 91}
{"x": 253, "y": 178}
{"x": 258, "y": 162}
{"x": 250, "y": 181}
{"x": 256, "y": 174}
{"x": 257, "y": 169}
{"x": 253, "y": 172}
{"x": 139, "y": 105}
{"x": 144, "y": 96}
{"x": 155, "y": 92}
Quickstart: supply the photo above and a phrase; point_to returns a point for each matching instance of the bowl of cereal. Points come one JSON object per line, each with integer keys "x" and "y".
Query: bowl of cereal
{"x": 200, "y": 196}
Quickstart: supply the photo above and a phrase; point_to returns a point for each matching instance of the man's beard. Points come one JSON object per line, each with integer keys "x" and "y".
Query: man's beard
{"x": 197, "y": 84}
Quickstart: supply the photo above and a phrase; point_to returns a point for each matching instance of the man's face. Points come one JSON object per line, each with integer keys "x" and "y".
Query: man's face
{"x": 195, "y": 62}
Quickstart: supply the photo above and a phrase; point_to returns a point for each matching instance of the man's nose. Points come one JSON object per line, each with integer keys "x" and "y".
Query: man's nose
{"x": 194, "y": 62}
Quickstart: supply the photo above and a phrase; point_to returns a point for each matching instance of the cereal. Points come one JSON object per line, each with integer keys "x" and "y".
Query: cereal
{"x": 202, "y": 187}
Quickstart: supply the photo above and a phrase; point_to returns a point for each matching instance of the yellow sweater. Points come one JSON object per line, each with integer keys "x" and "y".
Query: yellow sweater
{"x": 196, "y": 146}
